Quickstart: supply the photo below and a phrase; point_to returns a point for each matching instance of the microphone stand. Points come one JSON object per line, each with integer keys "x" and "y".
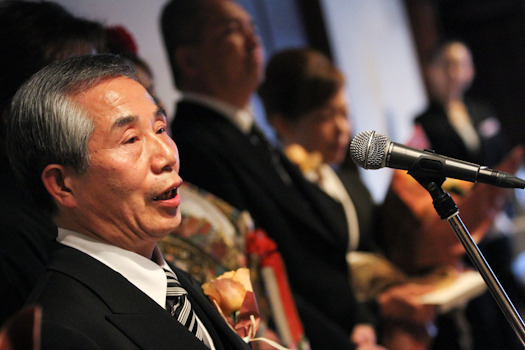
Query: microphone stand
{"x": 447, "y": 210}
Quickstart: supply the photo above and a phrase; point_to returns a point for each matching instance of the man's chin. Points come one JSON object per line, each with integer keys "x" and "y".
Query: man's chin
{"x": 169, "y": 227}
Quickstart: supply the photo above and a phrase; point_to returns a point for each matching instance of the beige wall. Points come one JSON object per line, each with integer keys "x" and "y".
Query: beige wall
{"x": 373, "y": 45}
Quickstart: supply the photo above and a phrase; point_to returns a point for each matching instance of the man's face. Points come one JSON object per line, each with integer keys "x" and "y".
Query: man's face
{"x": 128, "y": 195}
{"x": 229, "y": 54}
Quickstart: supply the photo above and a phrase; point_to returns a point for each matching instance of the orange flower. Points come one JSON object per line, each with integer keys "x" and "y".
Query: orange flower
{"x": 306, "y": 161}
{"x": 229, "y": 290}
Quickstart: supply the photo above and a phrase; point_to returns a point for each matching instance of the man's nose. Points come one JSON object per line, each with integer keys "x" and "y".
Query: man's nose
{"x": 164, "y": 154}
{"x": 252, "y": 33}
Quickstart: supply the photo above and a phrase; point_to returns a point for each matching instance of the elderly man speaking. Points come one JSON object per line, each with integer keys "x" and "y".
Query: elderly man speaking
{"x": 90, "y": 144}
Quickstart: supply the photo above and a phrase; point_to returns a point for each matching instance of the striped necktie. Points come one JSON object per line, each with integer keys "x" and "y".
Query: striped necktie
{"x": 178, "y": 304}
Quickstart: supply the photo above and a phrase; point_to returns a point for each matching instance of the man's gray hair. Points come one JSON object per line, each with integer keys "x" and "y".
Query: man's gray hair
{"x": 47, "y": 127}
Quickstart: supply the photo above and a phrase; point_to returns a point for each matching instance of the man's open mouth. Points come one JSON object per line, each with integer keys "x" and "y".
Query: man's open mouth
{"x": 166, "y": 195}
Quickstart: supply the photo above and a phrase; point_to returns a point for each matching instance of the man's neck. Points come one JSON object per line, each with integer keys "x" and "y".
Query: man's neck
{"x": 144, "y": 248}
{"x": 239, "y": 100}
{"x": 241, "y": 117}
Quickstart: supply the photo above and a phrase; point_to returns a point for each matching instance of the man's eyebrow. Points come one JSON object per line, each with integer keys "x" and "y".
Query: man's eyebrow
{"x": 123, "y": 121}
{"x": 129, "y": 119}
{"x": 160, "y": 111}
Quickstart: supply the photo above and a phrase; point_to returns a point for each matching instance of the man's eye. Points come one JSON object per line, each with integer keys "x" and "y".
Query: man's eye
{"x": 232, "y": 26}
{"x": 161, "y": 131}
{"x": 131, "y": 140}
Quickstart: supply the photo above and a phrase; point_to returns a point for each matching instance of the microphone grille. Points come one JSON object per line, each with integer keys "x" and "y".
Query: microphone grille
{"x": 368, "y": 149}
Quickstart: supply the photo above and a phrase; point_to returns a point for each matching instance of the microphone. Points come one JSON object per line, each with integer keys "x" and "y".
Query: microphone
{"x": 372, "y": 150}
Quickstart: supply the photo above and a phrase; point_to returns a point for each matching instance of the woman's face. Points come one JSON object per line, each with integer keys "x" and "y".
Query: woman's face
{"x": 452, "y": 73}
{"x": 326, "y": 130}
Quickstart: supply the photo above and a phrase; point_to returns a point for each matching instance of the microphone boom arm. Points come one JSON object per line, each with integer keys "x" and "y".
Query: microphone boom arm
{"x": 448, "y": 210}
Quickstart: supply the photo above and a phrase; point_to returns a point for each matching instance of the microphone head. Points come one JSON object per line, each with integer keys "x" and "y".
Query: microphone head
{"x": 368, "y": 149}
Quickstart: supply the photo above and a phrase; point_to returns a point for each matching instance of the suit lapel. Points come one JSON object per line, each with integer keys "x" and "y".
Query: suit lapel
{"x": 149, "y": 332}
{"x": 137, "y": 316}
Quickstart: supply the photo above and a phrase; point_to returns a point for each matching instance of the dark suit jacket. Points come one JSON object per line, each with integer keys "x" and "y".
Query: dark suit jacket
{"x": 308, "y": 226}
{"x": 446, "y": 141}
{"x": 87, "y": 305}
{"x": 26, "y": 238}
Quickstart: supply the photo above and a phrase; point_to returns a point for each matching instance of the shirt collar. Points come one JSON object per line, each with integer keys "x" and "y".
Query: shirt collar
{"x": 240, "y": 117}
{"x": 145, "y": 274}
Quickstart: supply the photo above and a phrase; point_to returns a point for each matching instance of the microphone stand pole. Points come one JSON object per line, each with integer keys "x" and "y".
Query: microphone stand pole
{"x": 447, "y": 210}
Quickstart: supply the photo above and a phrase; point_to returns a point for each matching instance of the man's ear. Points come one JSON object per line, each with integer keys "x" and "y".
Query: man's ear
{"x": 187, "y": 60}
{"x": 56, "y": 179}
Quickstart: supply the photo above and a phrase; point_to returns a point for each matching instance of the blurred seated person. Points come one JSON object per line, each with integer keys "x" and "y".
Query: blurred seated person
{"x": 113, "y": 193}
{"x": 305, "y": 99}
{"x": 458, "y": 126}
{"x": 456, "y": 123}
{"x": 33, "y": 34}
